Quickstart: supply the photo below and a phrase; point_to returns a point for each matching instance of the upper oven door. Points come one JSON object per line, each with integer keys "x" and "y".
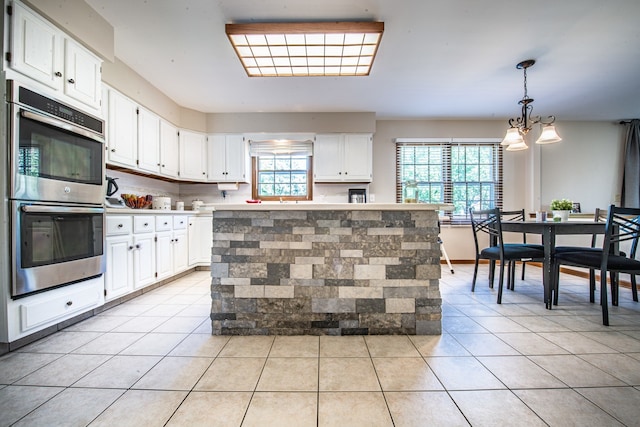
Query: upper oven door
{"x": 52, "y": 160}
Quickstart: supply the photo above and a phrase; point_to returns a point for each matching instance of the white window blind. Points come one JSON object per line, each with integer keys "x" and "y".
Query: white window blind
{"x": 276, "y": 147}
{"x": 466, "y": 172}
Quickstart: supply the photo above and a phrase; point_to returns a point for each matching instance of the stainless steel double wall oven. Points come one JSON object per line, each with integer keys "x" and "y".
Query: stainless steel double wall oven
{"x": 56, "y": 172}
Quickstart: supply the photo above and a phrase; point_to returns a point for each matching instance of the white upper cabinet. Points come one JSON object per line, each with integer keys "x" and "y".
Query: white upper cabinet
{"x": 36, "y": 47}
{"x": 227, "y": 158}
{"x": 169, "y": 150}
{"x": 343, "y": 158}
{"x": 148, "y": 141}
{"x": 193, "y": 156}
{"x": 41, "y": 51}
{"x": 82, "y": 76}
{"x": 122, "y": 130}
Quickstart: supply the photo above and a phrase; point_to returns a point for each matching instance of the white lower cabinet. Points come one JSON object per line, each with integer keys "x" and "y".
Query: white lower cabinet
{"x": 142, "y": 250}
{"x": 164, "y": 254}
{"x": 200, "y": 239}
{"x": 119, "y": 252}
{"x": 118, "y": 277}
{"x": 39, "y": 311}
{"x": 144, "y": 260}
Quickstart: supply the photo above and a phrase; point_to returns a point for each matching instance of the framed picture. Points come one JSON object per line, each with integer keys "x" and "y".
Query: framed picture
{"x": 575, "y": 208}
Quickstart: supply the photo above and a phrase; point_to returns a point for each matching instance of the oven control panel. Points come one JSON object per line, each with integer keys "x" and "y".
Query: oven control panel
{"x": 52, "y": 107}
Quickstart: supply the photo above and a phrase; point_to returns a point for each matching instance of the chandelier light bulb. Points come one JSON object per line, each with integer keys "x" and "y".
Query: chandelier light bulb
{"x": 513, "y": 136}
{"x": 548, "y": 135}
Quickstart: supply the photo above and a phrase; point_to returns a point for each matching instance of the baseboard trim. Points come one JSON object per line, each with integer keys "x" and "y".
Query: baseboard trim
{"x": 570, "y": 271}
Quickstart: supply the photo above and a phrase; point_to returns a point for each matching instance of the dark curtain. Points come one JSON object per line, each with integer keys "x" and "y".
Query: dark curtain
{"x": 631, "y": 174}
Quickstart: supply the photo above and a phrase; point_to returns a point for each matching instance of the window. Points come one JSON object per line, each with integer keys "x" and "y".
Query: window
{"x": 464, "y": 172}
{"x": 281, "y": 170}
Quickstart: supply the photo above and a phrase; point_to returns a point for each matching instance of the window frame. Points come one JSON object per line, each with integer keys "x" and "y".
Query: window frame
{"x": 447, "y": 180}
{"x": 254, "y": 182}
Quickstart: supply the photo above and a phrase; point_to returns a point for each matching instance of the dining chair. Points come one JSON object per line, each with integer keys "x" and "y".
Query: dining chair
{"x": 517, "y": 215}
{"x": 600, "y": 215}
{"x": 623, "y": 225}
{"x": 488, "y": 221}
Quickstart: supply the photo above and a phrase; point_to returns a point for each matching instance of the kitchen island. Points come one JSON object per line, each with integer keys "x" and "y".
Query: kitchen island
{"x": 325, "y": 269}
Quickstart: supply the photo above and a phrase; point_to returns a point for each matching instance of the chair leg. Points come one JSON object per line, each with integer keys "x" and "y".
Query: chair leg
{"x": 614, "y": 288}
{"x": 500, "y": 281}
{"x": 634, "y": 288}
{"x": 603, "y": 298}
{"x": 592, "y": 285}
{"x": 513, "y": 275}
{"x": 523, "y": 264}
{"x": 475, "y": 275}
{"x": 492, "y": 272}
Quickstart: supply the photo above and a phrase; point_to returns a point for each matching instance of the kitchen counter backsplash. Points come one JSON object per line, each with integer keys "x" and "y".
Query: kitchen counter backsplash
{"x": 209, "y": 193}
{"x": 141, "y": 186}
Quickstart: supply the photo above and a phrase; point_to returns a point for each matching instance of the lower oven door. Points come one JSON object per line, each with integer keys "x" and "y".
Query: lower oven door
{"x": 55, "y": 245}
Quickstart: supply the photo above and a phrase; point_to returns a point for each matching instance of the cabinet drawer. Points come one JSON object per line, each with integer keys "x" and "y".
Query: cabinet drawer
{"x": 36, "y": 313}
{"x": 180, "y": 222}
{"x": 143, "y": 224}
{"x": 118, "y": 224}
{"x": 163, "y": 223}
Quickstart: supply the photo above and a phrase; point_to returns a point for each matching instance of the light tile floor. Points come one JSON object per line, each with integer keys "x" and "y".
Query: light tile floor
{"x": 152, "y": 361}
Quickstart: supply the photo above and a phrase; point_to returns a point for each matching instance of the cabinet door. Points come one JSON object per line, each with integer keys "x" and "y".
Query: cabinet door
{"x": 82, "y": 74}
{"x": 193, "y": 156}
{"x": 148, "y": 141}
{"x": 164, "y": 254}
{"x": 194, "y": 239}
{"x": 180, "y": 251}
{"x": 236, "y": 158}
{"x": 123, "y": 130}
{"x": 169, "y": 149}
{"x": 144, "y": 260}
{"x": 36, "y": 47}
{"x": 119, "y": 273}
{"x": 216, "y": 158}
{"x": 357, "y": 157}
{"x": 327, "y": 155}
{"x": 200, "y": 240}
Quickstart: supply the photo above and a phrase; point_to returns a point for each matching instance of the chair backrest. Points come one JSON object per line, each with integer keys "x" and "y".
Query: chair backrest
{"x": 623, "y": 225}
{"x": 600, "y": 215}
{"x": 486, "y": 221}
{"x": 517, "y": 215}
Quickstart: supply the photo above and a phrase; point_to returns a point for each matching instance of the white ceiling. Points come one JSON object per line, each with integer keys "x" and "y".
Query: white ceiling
{"x": 437, "y": 59}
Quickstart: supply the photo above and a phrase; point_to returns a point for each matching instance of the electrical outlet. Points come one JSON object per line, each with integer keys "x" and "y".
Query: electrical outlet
{"x": 617, "y": 198}
{"x": 372, "y": 197}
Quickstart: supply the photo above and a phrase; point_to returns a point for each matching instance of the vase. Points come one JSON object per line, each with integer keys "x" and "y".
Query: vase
{"x": 563, "y": 215}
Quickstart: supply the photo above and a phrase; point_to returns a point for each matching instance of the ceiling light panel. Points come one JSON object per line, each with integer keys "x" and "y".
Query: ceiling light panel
{"x": 306, "y": 49}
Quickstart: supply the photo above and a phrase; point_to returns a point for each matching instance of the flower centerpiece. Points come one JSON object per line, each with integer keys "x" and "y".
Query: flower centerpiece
{"x": 561, "y": 209}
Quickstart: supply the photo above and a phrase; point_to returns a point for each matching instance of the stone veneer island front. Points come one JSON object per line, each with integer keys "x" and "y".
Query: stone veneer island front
{"x": 325, "y": 269}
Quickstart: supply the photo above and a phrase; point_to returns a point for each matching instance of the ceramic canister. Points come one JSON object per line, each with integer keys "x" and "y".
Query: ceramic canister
{"x": 163, "y": 203}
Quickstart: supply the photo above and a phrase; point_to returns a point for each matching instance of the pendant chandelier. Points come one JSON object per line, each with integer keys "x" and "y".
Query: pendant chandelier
{"x": 520, "y": 126}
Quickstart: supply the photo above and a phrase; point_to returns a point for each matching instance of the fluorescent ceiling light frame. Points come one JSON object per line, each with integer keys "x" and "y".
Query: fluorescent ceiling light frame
{"x": 306, "y": 49}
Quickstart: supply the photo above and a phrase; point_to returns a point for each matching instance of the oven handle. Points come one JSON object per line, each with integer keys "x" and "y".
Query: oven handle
{"x": 60, "y": 209}
{"x": 60, "y": 124}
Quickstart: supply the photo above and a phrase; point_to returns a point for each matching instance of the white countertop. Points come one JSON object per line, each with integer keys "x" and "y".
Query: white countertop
{"x": 129, "y": 211}
{"x": 303, "y": 206}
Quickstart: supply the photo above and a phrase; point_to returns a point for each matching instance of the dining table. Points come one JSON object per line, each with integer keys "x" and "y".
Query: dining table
{"x": 549, "y": 230}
